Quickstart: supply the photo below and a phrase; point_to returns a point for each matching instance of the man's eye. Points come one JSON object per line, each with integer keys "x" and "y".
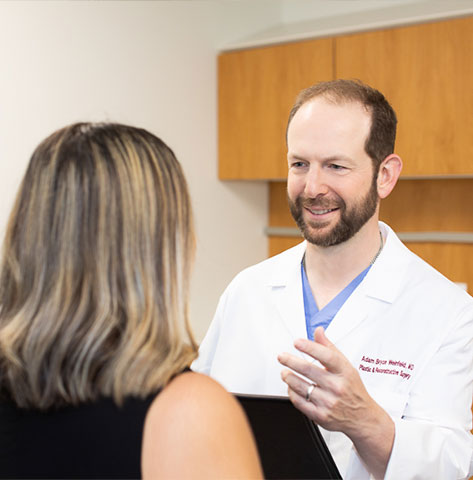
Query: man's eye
{"x": 334, "y": 166}
{"x": 298, "y": 164}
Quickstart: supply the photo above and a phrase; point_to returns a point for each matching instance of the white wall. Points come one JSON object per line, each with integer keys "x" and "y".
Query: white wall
{"x": 302, "y": 10}
{"x": 150, "y": 64}
{"x": 302, "y": 19}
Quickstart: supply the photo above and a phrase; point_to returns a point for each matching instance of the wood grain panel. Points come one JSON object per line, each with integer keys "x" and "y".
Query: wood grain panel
{"x": 279, "y": 214}
{"x": 426, "y": 72}
{"x": 257, "y": 89}
{"x": 454, "y": 260}
{"x": 279, "y": 244}
{"x": 430, "y": 205}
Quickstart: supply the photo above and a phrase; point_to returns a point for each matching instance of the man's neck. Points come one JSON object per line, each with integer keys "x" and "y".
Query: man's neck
{"x": 330, "y": 269}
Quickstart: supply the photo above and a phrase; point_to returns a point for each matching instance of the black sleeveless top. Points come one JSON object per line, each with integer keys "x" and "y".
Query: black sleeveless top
{"x": 97, "y": 440}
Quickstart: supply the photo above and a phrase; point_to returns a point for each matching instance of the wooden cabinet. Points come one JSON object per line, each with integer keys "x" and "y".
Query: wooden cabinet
{"x": 256, "y": 90}
{"x": 426, "y": 73}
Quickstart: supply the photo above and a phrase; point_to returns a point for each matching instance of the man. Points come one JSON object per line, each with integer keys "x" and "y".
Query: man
{"x": 390, "y": 378}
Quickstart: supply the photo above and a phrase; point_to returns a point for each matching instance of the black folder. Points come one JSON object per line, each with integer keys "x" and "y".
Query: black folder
{"x": 289, "y": 444}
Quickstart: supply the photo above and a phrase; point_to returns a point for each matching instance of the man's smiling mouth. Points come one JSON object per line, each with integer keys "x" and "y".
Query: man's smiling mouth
{"x": 321, "y": 212}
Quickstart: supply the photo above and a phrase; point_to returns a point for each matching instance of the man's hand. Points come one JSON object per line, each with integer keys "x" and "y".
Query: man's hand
{"x": 339, "y": 400}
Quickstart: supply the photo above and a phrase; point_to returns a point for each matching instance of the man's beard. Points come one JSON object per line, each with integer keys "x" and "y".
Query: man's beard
{"x": 350, "y": 222}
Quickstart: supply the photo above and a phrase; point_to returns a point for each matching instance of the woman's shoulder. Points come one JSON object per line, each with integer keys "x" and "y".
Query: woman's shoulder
{"x": 192, "y": 398}
{"x": 195, "y": 428}
{"x": 192, "y": 390}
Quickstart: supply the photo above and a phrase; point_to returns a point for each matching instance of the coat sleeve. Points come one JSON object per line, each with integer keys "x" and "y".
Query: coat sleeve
{"x": 433, "y": 438}
{"x": 208, "y": 347}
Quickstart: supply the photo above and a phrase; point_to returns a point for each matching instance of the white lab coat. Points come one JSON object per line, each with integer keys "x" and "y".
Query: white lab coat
{"x": 406, "y": 329}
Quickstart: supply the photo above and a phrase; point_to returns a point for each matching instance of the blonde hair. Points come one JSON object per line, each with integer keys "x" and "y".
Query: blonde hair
{"x": 95, "y": 274}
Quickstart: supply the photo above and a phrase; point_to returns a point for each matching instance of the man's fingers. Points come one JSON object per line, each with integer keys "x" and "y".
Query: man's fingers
{"x": 298, "y": 390}
{"x": 325, "y": 351}
{"x": 295, "y": 383}
{"x": 302, "y": 367}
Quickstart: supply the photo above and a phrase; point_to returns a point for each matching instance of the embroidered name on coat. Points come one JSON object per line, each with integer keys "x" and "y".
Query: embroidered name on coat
{"x": 383, "y": 366}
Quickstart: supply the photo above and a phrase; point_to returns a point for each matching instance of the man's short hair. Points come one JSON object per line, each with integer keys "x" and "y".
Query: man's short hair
{"x": 381, "y": 138}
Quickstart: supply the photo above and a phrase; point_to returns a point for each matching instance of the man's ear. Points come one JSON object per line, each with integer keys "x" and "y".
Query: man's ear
{"x": 388, "y": 174}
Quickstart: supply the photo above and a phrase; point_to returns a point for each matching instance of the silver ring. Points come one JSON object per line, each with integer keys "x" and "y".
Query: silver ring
{"x": 309, "y": 391}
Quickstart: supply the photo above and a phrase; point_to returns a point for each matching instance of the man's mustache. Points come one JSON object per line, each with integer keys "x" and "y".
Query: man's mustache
{"x": 320, "y": 202}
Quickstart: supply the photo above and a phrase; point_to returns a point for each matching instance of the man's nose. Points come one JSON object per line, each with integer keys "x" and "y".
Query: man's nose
{"x": 316, "y": 183}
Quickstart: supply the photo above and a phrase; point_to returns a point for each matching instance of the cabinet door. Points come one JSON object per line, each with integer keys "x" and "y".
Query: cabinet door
{"x": 426, "y": 72}
{"x": 256, "y": 90}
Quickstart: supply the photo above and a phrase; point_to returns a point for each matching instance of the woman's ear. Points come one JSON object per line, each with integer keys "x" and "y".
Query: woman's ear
{"x": 388, "y": 174}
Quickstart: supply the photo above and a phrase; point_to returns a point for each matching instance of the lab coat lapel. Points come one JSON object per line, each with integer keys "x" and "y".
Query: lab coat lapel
{"x": 380, "y": 286}
{"x": 353, "y": 312}
{"x": 286, "y": 292}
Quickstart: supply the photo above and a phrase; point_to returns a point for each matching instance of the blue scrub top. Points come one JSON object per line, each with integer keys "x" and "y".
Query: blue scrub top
{"x": 321, "y": 318}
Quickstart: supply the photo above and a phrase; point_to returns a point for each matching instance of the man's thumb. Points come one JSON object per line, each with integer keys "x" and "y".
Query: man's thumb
{"x": 320, "y": 337}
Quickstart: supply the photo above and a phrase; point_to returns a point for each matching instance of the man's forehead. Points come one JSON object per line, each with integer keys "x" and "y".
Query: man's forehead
{"x": 331, "y": 100}
{"x": 323, "y": 113}
{"x": 326, "y": 129}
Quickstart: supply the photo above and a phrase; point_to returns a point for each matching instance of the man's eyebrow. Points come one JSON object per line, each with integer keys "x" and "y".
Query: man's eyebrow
{"x": 337, "y": 158}
{"x": 331, "y": 158}
{"x": 293, "y": 156}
